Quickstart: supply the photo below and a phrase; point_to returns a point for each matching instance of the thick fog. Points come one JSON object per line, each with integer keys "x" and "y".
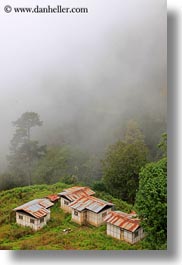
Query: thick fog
{"x": 82, "y": 72}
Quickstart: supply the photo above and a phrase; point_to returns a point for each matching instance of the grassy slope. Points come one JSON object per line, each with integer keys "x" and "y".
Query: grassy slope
{"x": 13, "y": 236}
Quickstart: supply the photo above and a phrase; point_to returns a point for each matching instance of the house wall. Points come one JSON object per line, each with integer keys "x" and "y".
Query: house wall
{"x": 96, "y": 219}
{"x": 89, "y": 217}
{"x": 113, "y": 231}
{"x": 64, "y": 205}
{"x": 140, "y": 234}
{"x": 25, "y": 220}
{"x": 78, "y": 217}
{"x": 128, "y": 236}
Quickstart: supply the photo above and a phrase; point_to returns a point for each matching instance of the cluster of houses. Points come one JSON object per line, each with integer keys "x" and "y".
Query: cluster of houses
{"x": 85, "y": 209}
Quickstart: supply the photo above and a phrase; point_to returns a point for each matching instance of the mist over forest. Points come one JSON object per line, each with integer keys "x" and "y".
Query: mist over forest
{"x": 84, "y": 75}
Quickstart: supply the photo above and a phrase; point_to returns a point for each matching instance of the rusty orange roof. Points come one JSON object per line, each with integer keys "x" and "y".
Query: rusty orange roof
{"x": 76, "y": 192}
{"x": 123, "y": 220}
{"x": 37, "y": 208}
{"x": 90, "y": 203}
{"x": 53, "y": 197}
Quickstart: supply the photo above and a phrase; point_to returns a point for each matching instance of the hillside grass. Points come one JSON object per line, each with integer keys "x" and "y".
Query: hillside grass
{"x": 52, "y": 236}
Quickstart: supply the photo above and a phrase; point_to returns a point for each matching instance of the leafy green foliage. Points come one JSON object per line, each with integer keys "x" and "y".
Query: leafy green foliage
{"x": 163, "y": 144}
{"x": 151, "y": 203}
{"x": 122, "y": 164}
{"x": 99, "y": 185}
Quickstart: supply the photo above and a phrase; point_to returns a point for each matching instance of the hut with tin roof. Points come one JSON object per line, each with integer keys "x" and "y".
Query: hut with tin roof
{"x": 124, "y": 226}
{"x": 34, "y": 214}
{"x": 71, "y": 194}
{"x": 90, "y": 210}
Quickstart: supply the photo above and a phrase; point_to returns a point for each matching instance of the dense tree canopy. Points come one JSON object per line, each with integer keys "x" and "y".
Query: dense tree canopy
{"x": 67, "y": 164}
{"x": 123, "y": 162}
{"x": 163, "y": 145}
{"x": 151, "y": 203}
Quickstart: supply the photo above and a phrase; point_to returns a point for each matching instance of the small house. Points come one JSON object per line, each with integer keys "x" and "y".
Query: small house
{"x": 124, "y": 226}
{"x": 90, "y": 210}
{"x": 71, "y": 194}
{"x": 34, "y": 214}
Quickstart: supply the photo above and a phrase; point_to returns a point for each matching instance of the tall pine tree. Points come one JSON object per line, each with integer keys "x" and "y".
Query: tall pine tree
{"x": 25, "y": 152}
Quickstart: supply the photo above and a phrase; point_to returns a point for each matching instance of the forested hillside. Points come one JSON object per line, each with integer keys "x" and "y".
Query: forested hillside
{"x": 36, "y": 162}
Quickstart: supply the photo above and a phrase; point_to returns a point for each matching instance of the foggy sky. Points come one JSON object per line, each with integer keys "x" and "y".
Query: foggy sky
{"x": 81, "y": 69}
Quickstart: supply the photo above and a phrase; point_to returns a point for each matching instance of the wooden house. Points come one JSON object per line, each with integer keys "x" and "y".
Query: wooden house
{"x": 90, "y": 210}
{"x": 124, "y": 226}
{"x": 71, "y": 194}
{"x": 34, "y": 214}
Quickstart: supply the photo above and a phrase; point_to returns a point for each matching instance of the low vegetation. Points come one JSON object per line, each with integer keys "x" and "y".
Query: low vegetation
{"x": 54, "y": 236}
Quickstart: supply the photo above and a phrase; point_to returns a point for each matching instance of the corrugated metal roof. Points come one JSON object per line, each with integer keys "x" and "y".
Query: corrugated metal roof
{"x": 90, "y": 203}
{"x": 123, "y": 220}
{"x": 45, "y": 203}
{"x": 37, "y": 207}
{"x": 53, "y": 197}
{"x": 76, "y": 192}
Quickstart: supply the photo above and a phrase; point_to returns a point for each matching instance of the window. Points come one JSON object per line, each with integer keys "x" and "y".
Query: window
{"x": 32, "y": 221}
{"x": 66, "y": 202}
{"x": 41, "y": 219}
{"x": 76, "y": 213}
{"x": 21, "y": 217}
